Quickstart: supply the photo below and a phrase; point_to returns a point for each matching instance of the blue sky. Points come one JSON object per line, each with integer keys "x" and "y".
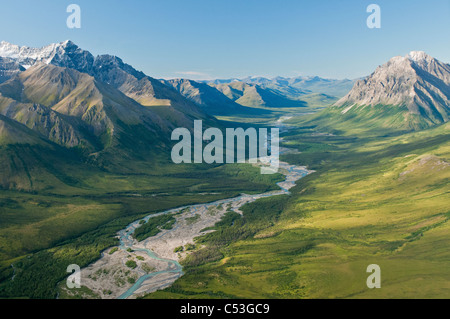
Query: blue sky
{"x": 203, "y": 39}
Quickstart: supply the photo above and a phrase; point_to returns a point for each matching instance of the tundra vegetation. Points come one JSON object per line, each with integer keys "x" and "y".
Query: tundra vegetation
{"x": 377, "y": 197}
{"x": 74, "y": 222}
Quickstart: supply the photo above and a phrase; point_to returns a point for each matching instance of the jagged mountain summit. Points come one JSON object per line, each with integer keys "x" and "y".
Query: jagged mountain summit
{"x": 9, "y": 68}
{"x": 62, "y": 107}
{"x": 416, "y": 86}
{"x": 256, "y": 91}
{"x": 64, "y": 54}
{"x": 113, "y": 71}
{"x": 61, "y": 102}
{"x": 179, "y": 101}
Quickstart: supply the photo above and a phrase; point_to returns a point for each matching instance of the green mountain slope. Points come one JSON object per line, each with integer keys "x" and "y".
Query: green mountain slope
{"x": 160, "y": 98}
{"x": 110, "y": 70}
{"x": 75, "y": 110}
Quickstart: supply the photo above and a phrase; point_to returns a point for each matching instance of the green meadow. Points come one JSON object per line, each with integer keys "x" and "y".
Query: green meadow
{"x": 44, "y": 231}
{"x": 377, "y": 197}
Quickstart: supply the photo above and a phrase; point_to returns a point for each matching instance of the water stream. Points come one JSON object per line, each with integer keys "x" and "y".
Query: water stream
{"x": 292, "y": 173}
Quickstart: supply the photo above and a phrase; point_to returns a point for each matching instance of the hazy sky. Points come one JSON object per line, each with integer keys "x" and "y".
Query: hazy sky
{"x": 204, "y": 39}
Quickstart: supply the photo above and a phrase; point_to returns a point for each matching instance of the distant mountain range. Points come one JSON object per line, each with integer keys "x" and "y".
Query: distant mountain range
{"x": 208, "y": 98}
{"x": 221, "y": 97}
{"x": 298, "y": 85}
{"x": 63, "y": 94}
{"x": 253, "y": 95}
{"x": 283, "y": 92}
{"x": 180, "y": 100}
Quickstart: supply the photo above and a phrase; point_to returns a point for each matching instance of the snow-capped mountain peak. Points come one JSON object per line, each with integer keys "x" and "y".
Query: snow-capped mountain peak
{"x": 65, "y": 54}
{"x": 24, "y": 54}
{"x": 419, "y": 56}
